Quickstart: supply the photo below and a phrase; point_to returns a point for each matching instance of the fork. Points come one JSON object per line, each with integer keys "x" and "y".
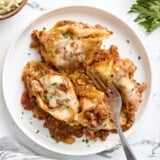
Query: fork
{"x": 114, "y": 98}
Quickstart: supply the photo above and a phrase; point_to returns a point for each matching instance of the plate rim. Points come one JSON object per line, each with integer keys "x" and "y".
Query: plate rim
{"x": 57, "y": 10}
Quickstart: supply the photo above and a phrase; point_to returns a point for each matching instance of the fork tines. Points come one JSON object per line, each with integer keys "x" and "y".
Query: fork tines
{"x": 101, "y": 84}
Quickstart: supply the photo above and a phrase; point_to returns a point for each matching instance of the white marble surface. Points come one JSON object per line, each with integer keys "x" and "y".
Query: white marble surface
{"x": 145, "y": 140}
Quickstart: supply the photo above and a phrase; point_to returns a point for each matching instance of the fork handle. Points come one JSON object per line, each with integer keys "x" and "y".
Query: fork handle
{"x": 126, "y": 147}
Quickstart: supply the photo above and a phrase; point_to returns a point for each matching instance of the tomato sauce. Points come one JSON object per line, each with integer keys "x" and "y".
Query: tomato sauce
{"x": 26, "y": 101}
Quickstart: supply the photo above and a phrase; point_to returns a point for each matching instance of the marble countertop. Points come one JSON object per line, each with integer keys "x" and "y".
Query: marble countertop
{"x": 145, "y": 140}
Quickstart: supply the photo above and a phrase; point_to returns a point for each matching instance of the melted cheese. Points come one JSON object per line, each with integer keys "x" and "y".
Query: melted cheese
{"x": 62, "y": 101}
{"x": 68, "y": 42}
{"x": 67, "y": 50}
{"x": 128, "y": 90}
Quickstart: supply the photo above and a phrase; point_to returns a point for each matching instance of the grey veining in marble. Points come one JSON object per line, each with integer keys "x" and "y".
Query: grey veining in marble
{"x": 154, "y": 149}
{"x": 37, "y": 6}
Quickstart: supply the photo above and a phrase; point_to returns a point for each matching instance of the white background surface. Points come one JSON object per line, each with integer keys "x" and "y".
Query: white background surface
{"x": 145, "y": 140}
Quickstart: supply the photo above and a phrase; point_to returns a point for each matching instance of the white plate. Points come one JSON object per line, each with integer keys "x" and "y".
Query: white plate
{"x": 18, "y": 56}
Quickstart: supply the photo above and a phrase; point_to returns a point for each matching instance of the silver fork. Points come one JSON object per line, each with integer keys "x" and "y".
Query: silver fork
{"x": 114, "y": 98}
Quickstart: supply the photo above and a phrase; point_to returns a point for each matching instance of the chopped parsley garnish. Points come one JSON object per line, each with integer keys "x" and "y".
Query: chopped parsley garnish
{"x": 63, "y": 102}
{"x": 85, "y": 140}
{"x": 139, "y": 57}
{"x": 66, "y": 100}
{"x": 48, "y": 97}
{"x": 148, "y": 13}
{"x": 71, "y": 53}
{"x": 64, "y": 107}
{"x": 72, "y": 37}
{"x": 54, "y": 84}
{"x": 105, "y": 125}
{"x": 65, "y": 35}
{"x": 52, "y": 136}
{"x": 59, "y": 70}
{"x": 37, "y": 131}
{"x": 104, "y": 46}
{"x": 55, "y": 51}
{"x": 127, "y": 41}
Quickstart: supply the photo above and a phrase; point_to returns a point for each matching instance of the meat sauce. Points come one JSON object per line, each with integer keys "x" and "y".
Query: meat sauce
{"x": 59, "y": 130}
{"x": 26, "y": 101}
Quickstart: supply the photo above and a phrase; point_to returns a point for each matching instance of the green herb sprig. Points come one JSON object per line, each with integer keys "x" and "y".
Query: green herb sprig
{"x": 148, "y": 13}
